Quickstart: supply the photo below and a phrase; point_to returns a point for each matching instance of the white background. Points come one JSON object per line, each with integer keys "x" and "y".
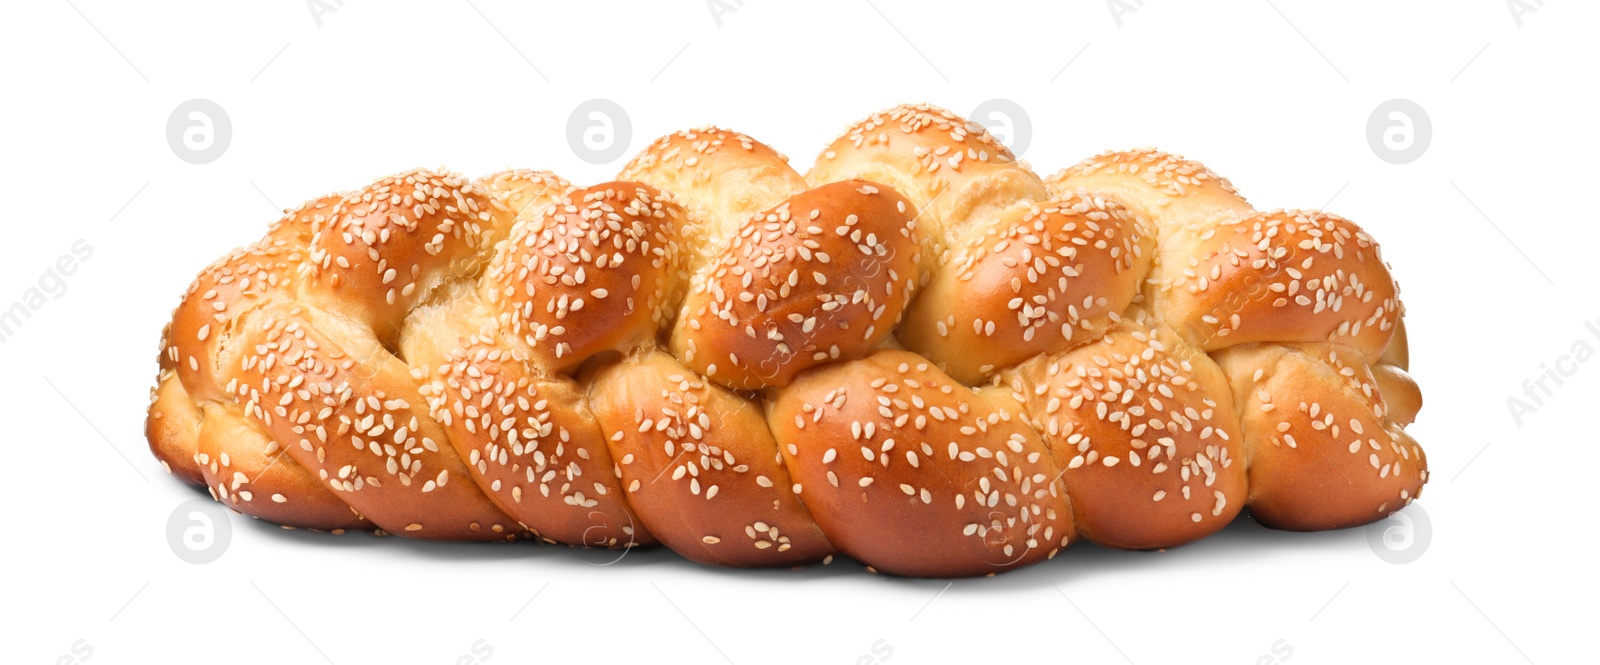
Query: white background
{"x": 1491, "y": 233}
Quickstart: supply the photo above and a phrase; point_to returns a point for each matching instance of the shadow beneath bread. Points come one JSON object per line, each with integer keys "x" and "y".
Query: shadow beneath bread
{"x": 559, "y": 558}
{"x": 1241, "y": 542}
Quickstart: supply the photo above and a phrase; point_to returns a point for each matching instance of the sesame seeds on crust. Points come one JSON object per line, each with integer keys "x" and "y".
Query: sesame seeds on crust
{"x": 1300, "y": 276}
{"x": 1138, "y": 415}
{"x": 1167, "y": 174}
{"x": 529, "y": 443}
{"x": 699, "y": 464}
{"x": 1314, "y": 420}
{"x": 822, "y": 276}
{"x": 953, "y": 172}
{"x": 889, "y": 440}
{"x": 931, "y": 121}
{"x": 708, "y": 354}
{"x": 1043, "y": 278}
{"x": 590, "y": 273}
{"x": 397, "y": 238}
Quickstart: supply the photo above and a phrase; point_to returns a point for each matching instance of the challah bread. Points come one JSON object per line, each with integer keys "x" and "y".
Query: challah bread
{"x": 919, "y": 354}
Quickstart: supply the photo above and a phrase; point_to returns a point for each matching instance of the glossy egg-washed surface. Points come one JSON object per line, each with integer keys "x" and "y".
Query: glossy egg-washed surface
{"x": 919, "y": 354}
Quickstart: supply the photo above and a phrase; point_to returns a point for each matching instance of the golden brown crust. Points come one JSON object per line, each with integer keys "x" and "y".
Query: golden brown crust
{"x": 914, "y": 474}
{"x": 713, "y": 354}
{"x": 384, "y": 248}
{"x": 1402, "y": 397}
{"x": 172, "y": 426}
{"x": 700, "y": 466}
{"x": 589, "y": 274}
{"x": 202, "y": 325}
{"x": 1288, "y": 276}
{"x": 722, "y": 177}
{"x": 1398, "y": 352}
{"x": 955, "y": 173}
{"x": 823, "y": 276}
{"x": 1143, "y": 428}
{"x": 351, "y": 414}
{"x": 1165, "y": 189}
{"x": 1322, "y": 451}
{"x": 516, "y": 195}
{"x": 1038, "y": 280}
{"x": 247, "y": 470}
{"x": 530, "y": 442}
{"x": 200, "y": 338}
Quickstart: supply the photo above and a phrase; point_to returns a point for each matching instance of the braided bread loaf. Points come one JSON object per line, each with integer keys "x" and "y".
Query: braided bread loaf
{"x": 920, "y": 355}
